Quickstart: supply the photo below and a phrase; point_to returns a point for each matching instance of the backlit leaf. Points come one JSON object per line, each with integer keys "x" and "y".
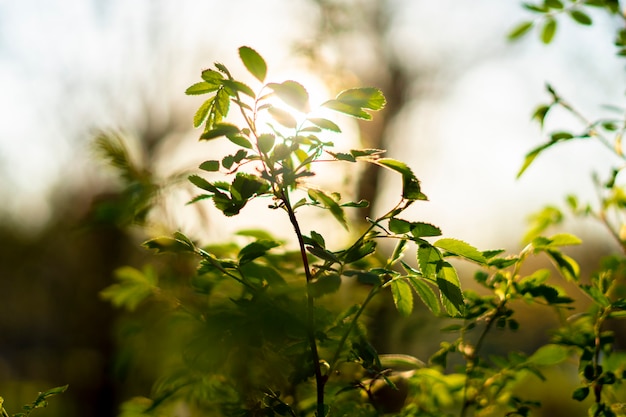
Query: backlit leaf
{"x": 255, "y": 249}
{"x": 253, "y": 62}
{"x": 283, "y": 117}
{"x": 402, "y": 296}
{"x": 202, "y": 112}
{"x": 365, "y": 98}
{"x": 421, "y": 229}
{"x": 548, "y": 30}
{"x": 520, "y": 30}
{"x": 462, "y": 249}
{"x": 549, "y": 354}
{"x": 220, "y": 129}
{"x": 266, "y": 142}
{"x": 329, "y": 203}
{"x": 425, "y": 293}
{"x": 200, "y": 88}
{"x": 347, "y": 109}
{"x": 450, "y": 288}
{"x": 429, "y": 259}
{"x": 325, "y": 124}
{"x": 293, "y": 94}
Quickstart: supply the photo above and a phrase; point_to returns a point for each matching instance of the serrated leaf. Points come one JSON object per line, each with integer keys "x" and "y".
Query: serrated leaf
{"x": 365, "y": 98}
{"x": 220, "y": 129}
{"x": 350, "y": 110}
{"x": 399, "y": 226}
{"x": 429, "y": 259}
{"x": 240, "y": 141}
{"x": 283, "y": 117}
{"x": 245, "y": 186}
{"x": 200, "y": 182}
{"x": 450, "y": 288}
{"x": 329, "y": 203}
{"x": 200, "y": 88}
{"x": 255, "y": 249}
{"x": 202, "y": 112}
{"x": 421, "y": 229}
{"x": 325, "y": 124}
{"x": 212, "y": 77}
{"x": 253, "y": 62}
{"x": 235, "y": 87}
{"x": 293, "y": 94}
{"x": 548, "y": 30}
{"x": 580, "y": 17}
{"x": 426, "y": 294}
{"x": 520, "y": 30}
{"x": 402, "y": 296}
{"x": 549, "y": 354}
{"x": 462, "y": 249}
{"x": 341, "y": 156}
{"x": 210, "y": 166}
{"x": 410, "y": 184}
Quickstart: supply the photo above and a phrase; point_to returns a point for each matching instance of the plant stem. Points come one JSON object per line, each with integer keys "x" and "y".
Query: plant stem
{"x": 320, "y": 379}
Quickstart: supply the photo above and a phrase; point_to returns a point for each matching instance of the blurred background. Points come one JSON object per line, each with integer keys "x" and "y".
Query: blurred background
{"x": 460, "y": 97}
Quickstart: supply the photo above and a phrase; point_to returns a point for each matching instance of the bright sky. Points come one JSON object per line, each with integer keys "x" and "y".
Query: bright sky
{"x": 68, "y": 66}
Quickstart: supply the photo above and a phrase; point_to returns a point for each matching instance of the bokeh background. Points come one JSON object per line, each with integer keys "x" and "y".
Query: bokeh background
{"x": 460, "y": 97}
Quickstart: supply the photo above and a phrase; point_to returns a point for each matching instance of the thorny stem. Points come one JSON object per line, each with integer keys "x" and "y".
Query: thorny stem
{"x": 319, "y": 378}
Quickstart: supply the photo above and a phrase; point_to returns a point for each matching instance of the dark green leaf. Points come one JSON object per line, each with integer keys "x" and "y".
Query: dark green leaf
{"x": 253, "y": 62}
{"x": 580, "y": 393}
{"x": 326, "y": 284}
{"x": 247, "y": 185}
{"x": 323, "y": 254}
{"x": 220, "y": 129}
{"x": 429, "y": 259}
{"x": 210, "y": 166}
{"x": 364, "y": 277}
{"x": 554, "y": 4}
{"x": 359, "y": 251}
{"x": 548, "y": 30}
{"x": 402, "y": 296}
{"x": 580, "y": 17}
{"x": 540, "y": 114}
{"x": 293, "y": 94}
{"x": 255, "y": 249}
{"x": 450, "y": 287}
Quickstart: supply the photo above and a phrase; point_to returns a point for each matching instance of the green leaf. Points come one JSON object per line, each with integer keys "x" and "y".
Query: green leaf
{"x": 341, "y": 156}
{"x": 462, "y": 249}
{"x": 255, "y": 249}
{"x": 359, "y": 251}
{"x": 283, "y": 117}
{"x": 549, "y": 354}
{"x": 253, "y": 62}
{"x": 210, "y": 166}
{"x": 239, "y": 141}
{"x": 450, "y": 288}
{"x": 212, "y": 77}
{"x": 520, "y": 30}
{"x": 329, "y": 203}
{"x": 580, "y": 393}
{"x": 548, "y": 30}
{"x": 220, "y": 129}
{"x": 425, "y": 293}
{"x": 326, "y": 284}
{"x": 421, "y": 229}
{"x": 266, "y": 142}
{"x": 133, "y": 287}
{"x": 365, "y": 98}
{"x": 168, "y": 244}
{"x": 410, "y": 184}
{"x": 344, "y": 108}
{"x": 399, "y": 226}
{"x": 554, "y": 4}
{"x": 569, "y": 267}
{"x": 530, "y": 156}
{"x": 293, "y": 94}
{"x": 200, "y": 88}
{"x": 429, "y": 259}
{"x": 245, "y": 186}
{"x": 202, "y": 112}
{"x": 325, "y": 124}
{"x": 402, "y": 296}
{"x": 580, "y": 17}
{"x": 200, "y": 182}
{"x": 235, "y": 87}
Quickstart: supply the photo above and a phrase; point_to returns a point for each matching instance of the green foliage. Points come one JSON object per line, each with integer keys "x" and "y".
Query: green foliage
{"x": 40, "y": 402}
{"x": 272, "y": 327}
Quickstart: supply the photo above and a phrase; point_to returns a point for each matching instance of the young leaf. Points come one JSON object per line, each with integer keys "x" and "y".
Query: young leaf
{"x": 402, "y": 296}
{"x": 462, "y": 249}
{"x": 202, "y": 112}
{"x": 253, "y": 62}
{"x": 293, "y": 94}
{"x": 200, "y": 88}
{"x": 365, "y": 98}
